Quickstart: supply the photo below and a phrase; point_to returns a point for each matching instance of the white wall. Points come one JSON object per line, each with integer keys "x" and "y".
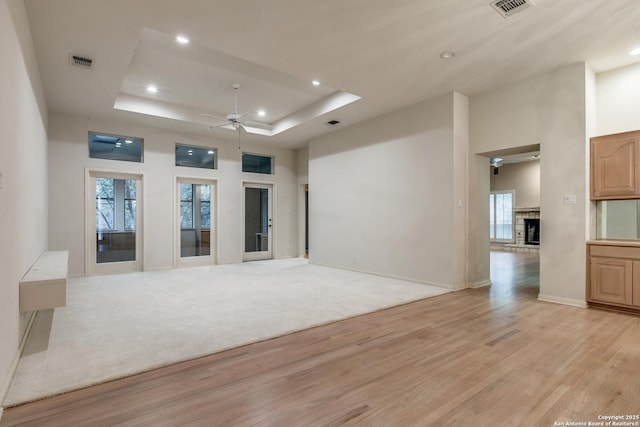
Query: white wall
{"x": 68, "y": 158}
{"x": 23, "y": 165}
{"x": 618, "y": 100}
{"x": 522, "y": 177}
{"x": 382, "y": 194}
{"x": 551, "y": 110}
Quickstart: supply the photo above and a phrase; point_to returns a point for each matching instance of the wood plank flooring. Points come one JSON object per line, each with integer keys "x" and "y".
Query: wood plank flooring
{"x": 487, "y": 357}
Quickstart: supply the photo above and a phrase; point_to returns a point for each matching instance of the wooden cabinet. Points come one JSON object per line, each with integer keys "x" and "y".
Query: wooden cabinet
{"x": 615, "y": 166}
{"x": 613, "y": 275}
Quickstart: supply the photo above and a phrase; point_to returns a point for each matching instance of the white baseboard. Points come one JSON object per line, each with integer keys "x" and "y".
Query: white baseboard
{"x": 561, "y": 300}
{"x": 480, "y": 284}
{"x": 16, "y": 359}
{"x": 389, "y": 276}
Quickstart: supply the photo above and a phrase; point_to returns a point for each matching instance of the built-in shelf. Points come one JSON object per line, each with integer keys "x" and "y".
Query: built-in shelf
{"x": 45, "y": 284}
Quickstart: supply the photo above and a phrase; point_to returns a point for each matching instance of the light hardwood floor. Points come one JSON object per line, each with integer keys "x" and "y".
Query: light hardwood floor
{"x": 487, "y": 357}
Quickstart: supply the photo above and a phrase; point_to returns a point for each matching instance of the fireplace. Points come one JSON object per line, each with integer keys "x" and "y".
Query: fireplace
{"x": 532, "y": 231}
{"x": 527, "y": 231}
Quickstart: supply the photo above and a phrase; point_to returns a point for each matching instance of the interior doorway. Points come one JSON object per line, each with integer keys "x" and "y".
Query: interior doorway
{"x": 306, "y": 221}
{"x": 113, "y": 222}
{"x": 513, "y": 203}
{"x": 258, "y": 221}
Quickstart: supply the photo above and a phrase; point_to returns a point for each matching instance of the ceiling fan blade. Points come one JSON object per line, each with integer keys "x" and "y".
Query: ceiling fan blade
{"x": 260, "y": 125}
{"x": 211, "y": 116}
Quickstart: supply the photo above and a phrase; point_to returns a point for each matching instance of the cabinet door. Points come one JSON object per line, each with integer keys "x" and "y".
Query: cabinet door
{"x": 615, "y": 163}
{"x": 611, "y": 280}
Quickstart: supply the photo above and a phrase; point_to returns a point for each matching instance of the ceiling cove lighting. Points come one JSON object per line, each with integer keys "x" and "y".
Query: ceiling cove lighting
{"x": 182, "y": 39}
{"x": 635, "y": 51}
{"x": 315, "y": 83}
{"x": 152, "y": 88}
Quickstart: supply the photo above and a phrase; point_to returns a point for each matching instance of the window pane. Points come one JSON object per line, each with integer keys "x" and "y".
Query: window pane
{"x": 205, "y": 206}
{"x": 114, "y": 147}
{"x": 130, "y": 214}
{"x": 501, "y": 216}
{"x": 256, "y": 163}
{"x": 186, "y": 192}
{"x": 205, "y": 215}
{"x": 105, "y": 206}
{"x": 196, "y": 157}
{"x": 129, "y": 189}
{"x": 492, "y": 225}
{"x": 105, "y": 212}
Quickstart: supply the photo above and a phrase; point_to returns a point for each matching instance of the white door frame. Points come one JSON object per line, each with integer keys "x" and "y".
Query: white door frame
{"x": 260, "y": 255}
{"x": 193, "y": 261}
{"x": 91, "y": 265}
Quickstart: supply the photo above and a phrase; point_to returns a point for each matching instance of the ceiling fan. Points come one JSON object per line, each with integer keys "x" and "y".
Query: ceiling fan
{"x": 236, "y": 120}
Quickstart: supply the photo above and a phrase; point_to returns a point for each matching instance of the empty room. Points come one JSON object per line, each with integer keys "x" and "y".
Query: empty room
{"x": 319, "y": 213}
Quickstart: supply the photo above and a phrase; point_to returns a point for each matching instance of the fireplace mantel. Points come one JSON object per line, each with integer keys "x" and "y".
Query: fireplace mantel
{"x": 523, "y": 210}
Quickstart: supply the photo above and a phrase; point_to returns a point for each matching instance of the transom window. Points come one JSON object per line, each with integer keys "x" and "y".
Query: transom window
{"x": 257, "y": 163}
{"x": 115, "y": 147}
{"x": 196, "y": 157}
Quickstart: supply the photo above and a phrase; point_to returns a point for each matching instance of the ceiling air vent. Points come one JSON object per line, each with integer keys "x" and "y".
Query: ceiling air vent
{"x": 80, "y": 61}
{"x": 507, "y": 8}
{"x": 333, "y": 122}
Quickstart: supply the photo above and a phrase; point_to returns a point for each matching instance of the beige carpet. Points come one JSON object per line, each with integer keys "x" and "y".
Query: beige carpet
{"x": 118, "y": 325}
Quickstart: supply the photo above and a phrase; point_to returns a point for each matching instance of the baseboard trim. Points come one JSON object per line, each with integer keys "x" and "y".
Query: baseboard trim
{"x": 480, "y": 284}
{"x": 563, "y": 301}
{"x": 389, "y": 276}
{"x": 16, "y": 360}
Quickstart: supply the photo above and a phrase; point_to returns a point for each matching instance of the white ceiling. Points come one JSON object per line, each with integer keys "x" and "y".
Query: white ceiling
{"x": 385, "y": 52}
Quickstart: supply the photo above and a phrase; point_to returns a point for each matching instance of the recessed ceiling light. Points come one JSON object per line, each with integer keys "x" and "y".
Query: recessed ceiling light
{"x": 315, "y": 83}
{"x": 189, "y": 151}
{"x": 128, "y": 141}
{"x": 182, "y": 39}
{"x": 262, "y": 113}
{"x": 447, "y": 54}
{"x": 635, "y": 51}
{"x": 118, "y": 144}
{"x": 152, "y": 88}
{"x": 210, "y": 152}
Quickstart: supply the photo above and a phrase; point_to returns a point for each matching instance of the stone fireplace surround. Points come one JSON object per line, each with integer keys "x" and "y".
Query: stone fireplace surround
{"x": 520, "y": 214}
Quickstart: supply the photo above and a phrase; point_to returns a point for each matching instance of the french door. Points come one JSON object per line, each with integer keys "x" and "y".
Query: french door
{"x": 195, "y": 222}
{"x": 113, "y": 222}
{"x": 258, "y": 221}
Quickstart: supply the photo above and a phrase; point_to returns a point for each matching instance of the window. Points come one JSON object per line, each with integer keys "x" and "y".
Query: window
{"x": 196, "y": 157}
{"x": 114, "y": 147}
{"x": 195, "y": 206}
{"x": 115, "y": 204}
{"x": 257, "y": 164}
{"x": 501, "y": 216}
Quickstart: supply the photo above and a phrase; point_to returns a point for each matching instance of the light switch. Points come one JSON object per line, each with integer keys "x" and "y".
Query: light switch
{"x": 569, "y": 199}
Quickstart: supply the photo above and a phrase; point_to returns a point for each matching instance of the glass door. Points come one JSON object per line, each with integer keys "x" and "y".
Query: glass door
{"x": 114, "y": 223}
{"x": 258, "y": 222}
{"x": 195, "y": 229}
